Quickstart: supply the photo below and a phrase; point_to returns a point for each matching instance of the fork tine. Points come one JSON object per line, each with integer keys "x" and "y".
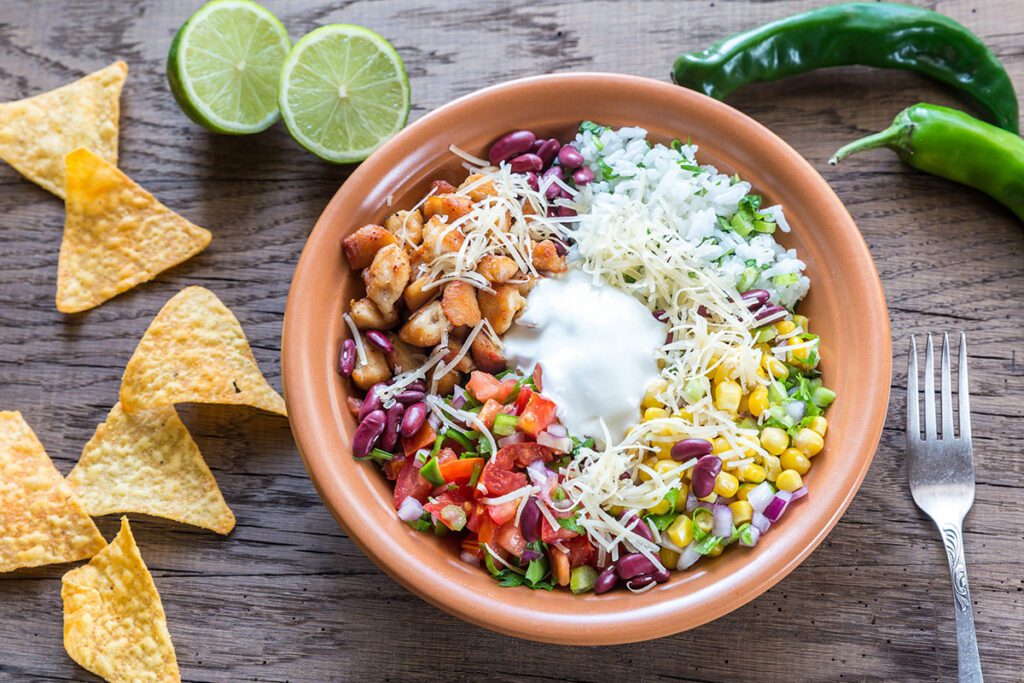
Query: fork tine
{"x": 963, "y": 392}
{"x": 913, "y": 424}
{"x": 929, "y": 391}
{"x": 947, "y": 391}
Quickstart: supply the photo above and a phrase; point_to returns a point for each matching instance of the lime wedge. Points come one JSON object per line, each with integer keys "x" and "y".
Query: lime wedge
{"x": 343, "y": 92}
{"x": 224, "y": 65}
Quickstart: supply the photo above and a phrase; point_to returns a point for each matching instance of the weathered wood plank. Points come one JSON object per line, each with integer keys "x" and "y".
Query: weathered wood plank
{"x": 287, "y": 596}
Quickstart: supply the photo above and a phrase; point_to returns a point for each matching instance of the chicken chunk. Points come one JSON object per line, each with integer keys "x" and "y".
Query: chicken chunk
{"x": 361, "y": 246}
{"x": 502, "y": 307}
{"x": 367, "y": 316}
{"x": 375, "y": 369}
{"x": 426, "y": 326}
{"x": 497, "y": 269}
{"x": 406, "y": 226}
{"x": 459, "y": 304}
{"x": 546, "y": 258}
{"x": 387, "y": 277}
{"x": 487, "y": 355}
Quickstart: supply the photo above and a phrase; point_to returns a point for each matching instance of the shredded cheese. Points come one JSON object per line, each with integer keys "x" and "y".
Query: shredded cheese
{"x": 357, "y": 338}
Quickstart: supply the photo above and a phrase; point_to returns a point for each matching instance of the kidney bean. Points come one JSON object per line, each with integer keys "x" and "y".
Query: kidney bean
{"x": 702, "y": 479}
{"x": 633, "y": 564}
{"x": 565, "y": 211}
{"x": 537, "y": 144}
{"x": 415, "y": 416}
{"x": 703, "y": 311}
{"x": 531, "y": 180}
{"x": 662, "y": 575}
{"x": 554, "y": 189}
{"x": 418, "y": 385}
{"x": 372, "y": 401}
{"x": 526, "y": 162}
{"x": 389, "y": 437}
{"x": 347, "y": 357}
{"x": 510, "y": 145}
{"x": 570, "y": 157}
{"x": 529, "y": 556}
{"x": 548, "y": 150}
{"x": 561, "y": 248}
{"x": 771, "y": 311}
{"x": 660, "y": 315}
{"x": 582, "y": 176}
{"x": 367, "y": 433}
{"x": 636, "y": 525}
{"x": 380, "y": 340}
{"x": 759, "y": 295}
{"x": 690, "y": 448}
{"x": 410, "y": 396}
{"x": 638, "y": 582}
{"x": 529, "y": 520}
{"x": 606, "y": 580}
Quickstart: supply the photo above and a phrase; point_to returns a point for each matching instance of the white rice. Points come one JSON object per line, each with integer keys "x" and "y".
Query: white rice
{"x": 691, "y": 202}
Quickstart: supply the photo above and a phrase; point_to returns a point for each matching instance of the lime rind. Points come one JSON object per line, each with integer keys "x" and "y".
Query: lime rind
{"x": 344, "y": 91}
{"x": 231, "y": 88}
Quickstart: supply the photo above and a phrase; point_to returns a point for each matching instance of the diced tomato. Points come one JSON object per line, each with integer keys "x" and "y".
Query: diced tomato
{"x": 393, "y": 467}
{"x": 411, "y": 483}
{"x": 460, "y": 471}
{"x": 581, "y": 551}
{"x": 503, "y": 513}
{"x": 487, "y": 530}
{"x": 522, "y": 399}
{"x": 538, "y": 377}
{"x": 476, "y": 516}
{"x": 498, "y": 477}
{"x": 450, "y": 508}
{"x": 354, "y": 405}
{"x": 484, "y": 386}
{"x": 511, "y": 539}
{"x": 421, "y": 439}
{"x": 471, "y": 544}
{"x": 524, "y": 453}
{"x": 489, "y": 411}
{"x": 446, "y": 455}
{"x": 549, "y": 534}
{"x": 537, "y": 415}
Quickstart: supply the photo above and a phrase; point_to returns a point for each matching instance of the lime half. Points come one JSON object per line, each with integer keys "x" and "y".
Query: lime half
{"x": 343, "y": 92}
{"x": 224, "y": 66}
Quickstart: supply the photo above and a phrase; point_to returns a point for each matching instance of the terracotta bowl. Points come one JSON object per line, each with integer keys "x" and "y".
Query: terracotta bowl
{"x": 846, "y": 307}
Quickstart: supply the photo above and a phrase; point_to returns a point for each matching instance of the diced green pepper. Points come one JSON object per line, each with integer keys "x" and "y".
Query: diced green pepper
{"x": 504, "y": 425}
{"x": 432, "y": 472}
{"x": 582, "y": 579}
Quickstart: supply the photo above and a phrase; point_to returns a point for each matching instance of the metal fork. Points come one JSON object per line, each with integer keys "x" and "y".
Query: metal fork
{"x": 941, "y": 476}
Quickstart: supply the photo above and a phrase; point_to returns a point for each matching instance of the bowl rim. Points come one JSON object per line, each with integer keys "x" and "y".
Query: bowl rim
{"x": 447, "y": 593}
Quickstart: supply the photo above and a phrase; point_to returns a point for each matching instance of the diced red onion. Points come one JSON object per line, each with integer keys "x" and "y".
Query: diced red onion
{"x": 515, "y": 437}
{"x": 760, "y": 496}
{"x": 691, "y": 502}
{"x": 557, "y": 430}
{"x": 795, "y": 409}
{"x": 689, "y": 557}
{"x": 458, "y": 397}
{"x": 777, "y": 506}
{"x": 434, "y": 421}
{"x": 722, "y": 516}
{"x": 561, "y": 444}
{"x": 410, "y": 510}
{"x": 798, "y": 494}
{"x": 760, "y": 522}
{"x": 755, "y": 535}
{"x": 469, "y": 558}
{"x": 538, "y": 472}
{"x": 529, "y": 556}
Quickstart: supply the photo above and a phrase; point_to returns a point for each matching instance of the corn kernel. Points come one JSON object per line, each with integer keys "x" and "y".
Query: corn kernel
{"x": 663, "y": 467}
{"x": 669, "y": 558}
{"x": 661, "y": 508}
{"x": 772, "y": 467}
{"x": 683, "y": 415}
{"x": 742, "y": 511}
{"x": 789, "y": 480}
{"x": 777, "y": 369}
{"x": 616, "y": 510}
{"x": 744, "y": 490}
{"x": 727, "y": 396}
{"x": 809, "y": 441}
{"x": 710, "y": 498}
{"x": 726, "y": 484}
{"x": 794, "y": 459}
{"x": 744, "y": 406}
{"x": 754, "y": 474}
{"x": 758, "y": 401}
{"x": 802, "y": 322}
{"x": 818, "y": 424}
{"x": 774, "y": 440}
{"x": 717, "y": 550}
{"x": 680, "y": 531}
{"x": 650, "y": 462}
{"x": 651, "y": 395}
{"x": 785, "y": 326}
{"x": 655, "y": 414}
{"x": 664, "y": 451}
{"x": 723, "y": 373}
{"x": 799, "y": 354}
{"x": 720, "y": 445}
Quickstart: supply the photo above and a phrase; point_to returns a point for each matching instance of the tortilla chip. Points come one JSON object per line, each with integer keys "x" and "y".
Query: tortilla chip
{"x": 195, "y": 352}
{"x": 36, "y": 133}
{"x": 41, "y": 519}
{"x": 147, "y": 462}
{"x": 114, "y": 622}
{"x": 116, "y": 235}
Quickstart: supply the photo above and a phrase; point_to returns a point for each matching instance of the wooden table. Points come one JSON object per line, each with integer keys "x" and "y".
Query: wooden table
{"x": 287, "y": 596}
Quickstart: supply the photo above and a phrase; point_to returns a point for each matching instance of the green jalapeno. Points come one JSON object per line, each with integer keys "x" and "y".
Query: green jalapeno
{"x": 954, "y": 145}
{"x": 884, "y": 35}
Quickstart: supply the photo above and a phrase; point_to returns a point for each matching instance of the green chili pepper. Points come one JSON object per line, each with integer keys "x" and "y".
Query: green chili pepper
{"x": 884, "y": 35}
{"x": 951, "y": 144}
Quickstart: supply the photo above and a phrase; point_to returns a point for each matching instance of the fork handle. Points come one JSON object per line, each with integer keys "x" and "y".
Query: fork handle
{"x": 969, "y": 663}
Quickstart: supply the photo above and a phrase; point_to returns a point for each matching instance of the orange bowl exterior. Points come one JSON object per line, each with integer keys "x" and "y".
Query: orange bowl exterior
{"x": 846, "y": 307}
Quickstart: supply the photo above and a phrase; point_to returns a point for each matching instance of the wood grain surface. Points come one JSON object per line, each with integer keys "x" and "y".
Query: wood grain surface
{"x": 287, "y": 596}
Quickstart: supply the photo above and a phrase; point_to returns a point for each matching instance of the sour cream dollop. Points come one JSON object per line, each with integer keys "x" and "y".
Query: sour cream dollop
{"x": 596, "y": 346}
